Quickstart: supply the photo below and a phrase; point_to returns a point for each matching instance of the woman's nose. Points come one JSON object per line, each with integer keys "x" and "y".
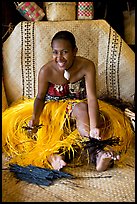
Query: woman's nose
{"x": 60, "y": 55}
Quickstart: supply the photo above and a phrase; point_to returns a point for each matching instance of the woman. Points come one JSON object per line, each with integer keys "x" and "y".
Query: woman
{"x": 71, "y": 80}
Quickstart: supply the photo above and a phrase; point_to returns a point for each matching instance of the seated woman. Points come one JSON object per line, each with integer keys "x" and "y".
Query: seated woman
{"x": 70, "y": 80}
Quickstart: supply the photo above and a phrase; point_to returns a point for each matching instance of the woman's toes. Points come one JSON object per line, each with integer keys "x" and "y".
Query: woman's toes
{"x": 62, "y": 163}
{"x": 116, "y": 157}
{"x": 107, "y": 155}
{"x": 56, "y": 161}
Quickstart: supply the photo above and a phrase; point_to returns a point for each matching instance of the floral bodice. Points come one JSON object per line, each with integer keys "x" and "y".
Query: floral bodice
{"x": 76, "y": 90}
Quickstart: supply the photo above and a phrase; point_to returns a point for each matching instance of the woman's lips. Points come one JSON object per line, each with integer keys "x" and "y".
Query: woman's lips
{"x": 61, "y": 64}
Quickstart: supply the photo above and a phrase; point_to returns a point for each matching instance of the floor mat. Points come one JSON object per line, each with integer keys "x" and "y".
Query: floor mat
{"x": 114, "y": 185}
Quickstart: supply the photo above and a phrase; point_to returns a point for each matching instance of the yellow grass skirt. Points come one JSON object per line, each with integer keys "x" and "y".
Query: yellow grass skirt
{"x": 55, "y": 133}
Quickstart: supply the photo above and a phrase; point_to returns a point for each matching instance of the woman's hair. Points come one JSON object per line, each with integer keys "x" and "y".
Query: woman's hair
{"x": 65, "y": 35}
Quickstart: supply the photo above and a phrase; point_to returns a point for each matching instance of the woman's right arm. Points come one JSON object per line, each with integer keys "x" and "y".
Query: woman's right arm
{"x": 39, "y": 100}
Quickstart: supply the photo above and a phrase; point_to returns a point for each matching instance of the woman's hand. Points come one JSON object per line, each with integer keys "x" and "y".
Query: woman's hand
{"x": 33, "y": 125}
{"x": 95, "y": 133}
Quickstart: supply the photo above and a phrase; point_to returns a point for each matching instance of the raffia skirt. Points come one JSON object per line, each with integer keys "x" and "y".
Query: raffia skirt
{"x": 55, "y": 133}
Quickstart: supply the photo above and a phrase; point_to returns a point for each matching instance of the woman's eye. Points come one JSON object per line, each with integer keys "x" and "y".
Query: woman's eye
{"x": 65, "y": 52}
{"x": 54, "y": 52}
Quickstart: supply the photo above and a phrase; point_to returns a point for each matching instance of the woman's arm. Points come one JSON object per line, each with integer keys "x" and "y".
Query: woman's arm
{"x": 93, "y": 107}
{"x": 39, "y": 101}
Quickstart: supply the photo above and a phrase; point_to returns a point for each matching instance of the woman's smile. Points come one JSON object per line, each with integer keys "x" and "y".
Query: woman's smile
{"x": 62, "y": 65}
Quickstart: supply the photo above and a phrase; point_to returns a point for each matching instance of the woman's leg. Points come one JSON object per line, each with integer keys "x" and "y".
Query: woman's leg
{"x": 103, "y": 158}
{"x": 80, "y": 113}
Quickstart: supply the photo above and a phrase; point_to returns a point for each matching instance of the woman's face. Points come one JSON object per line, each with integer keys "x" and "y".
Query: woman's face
{"x": 63, "y": 54}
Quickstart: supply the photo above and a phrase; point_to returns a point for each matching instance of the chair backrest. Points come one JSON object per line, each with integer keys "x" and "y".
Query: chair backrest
{"x": 28, "y": 48}
{"x": 4, "y": 99}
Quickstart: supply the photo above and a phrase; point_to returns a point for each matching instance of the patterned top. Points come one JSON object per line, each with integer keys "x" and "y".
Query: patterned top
{"x": 76, "y": 90}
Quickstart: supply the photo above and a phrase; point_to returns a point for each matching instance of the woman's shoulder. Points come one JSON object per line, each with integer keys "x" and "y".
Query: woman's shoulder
{"x": 84, "y": 61}
{"x": 85, "y": 64}
{"x": 46, "y": 68}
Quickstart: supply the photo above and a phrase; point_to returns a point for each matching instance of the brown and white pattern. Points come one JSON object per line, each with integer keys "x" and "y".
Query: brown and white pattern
{"x": 28, "y": 48}
{"x": 112, "y": 64}
{"x": 28, "y": 59}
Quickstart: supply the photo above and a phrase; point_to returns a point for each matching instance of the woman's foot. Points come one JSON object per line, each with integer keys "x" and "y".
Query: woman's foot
{"x": 56, "y": 161}
{"x": 104, "y": 160}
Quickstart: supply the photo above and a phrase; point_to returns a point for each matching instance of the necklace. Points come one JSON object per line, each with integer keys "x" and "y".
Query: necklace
{"x": 66, "y": 75}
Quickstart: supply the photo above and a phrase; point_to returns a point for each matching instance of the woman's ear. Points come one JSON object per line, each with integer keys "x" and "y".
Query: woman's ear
{"x": 75, "y": 50}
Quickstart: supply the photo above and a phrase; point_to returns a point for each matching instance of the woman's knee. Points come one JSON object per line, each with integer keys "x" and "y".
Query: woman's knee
{"x": 80, "y": 109}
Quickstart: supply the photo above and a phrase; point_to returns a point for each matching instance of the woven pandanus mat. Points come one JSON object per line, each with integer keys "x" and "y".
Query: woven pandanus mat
{"x": 114, "y": 185}
{"x": 96, "y": 40}
{"x": 4, "y": 99}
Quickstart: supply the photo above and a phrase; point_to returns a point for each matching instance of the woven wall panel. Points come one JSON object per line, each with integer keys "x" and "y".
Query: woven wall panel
{"x": 4, "y": 99}
{"x": 28, "y": 48}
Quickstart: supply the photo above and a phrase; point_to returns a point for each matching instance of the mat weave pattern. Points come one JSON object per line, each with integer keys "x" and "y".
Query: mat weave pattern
{"x": 96, "y": 40}
{"x": 114, "y": 185}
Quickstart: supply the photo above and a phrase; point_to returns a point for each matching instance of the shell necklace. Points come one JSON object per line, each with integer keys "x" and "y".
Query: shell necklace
{"x": 66, "y": 73}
